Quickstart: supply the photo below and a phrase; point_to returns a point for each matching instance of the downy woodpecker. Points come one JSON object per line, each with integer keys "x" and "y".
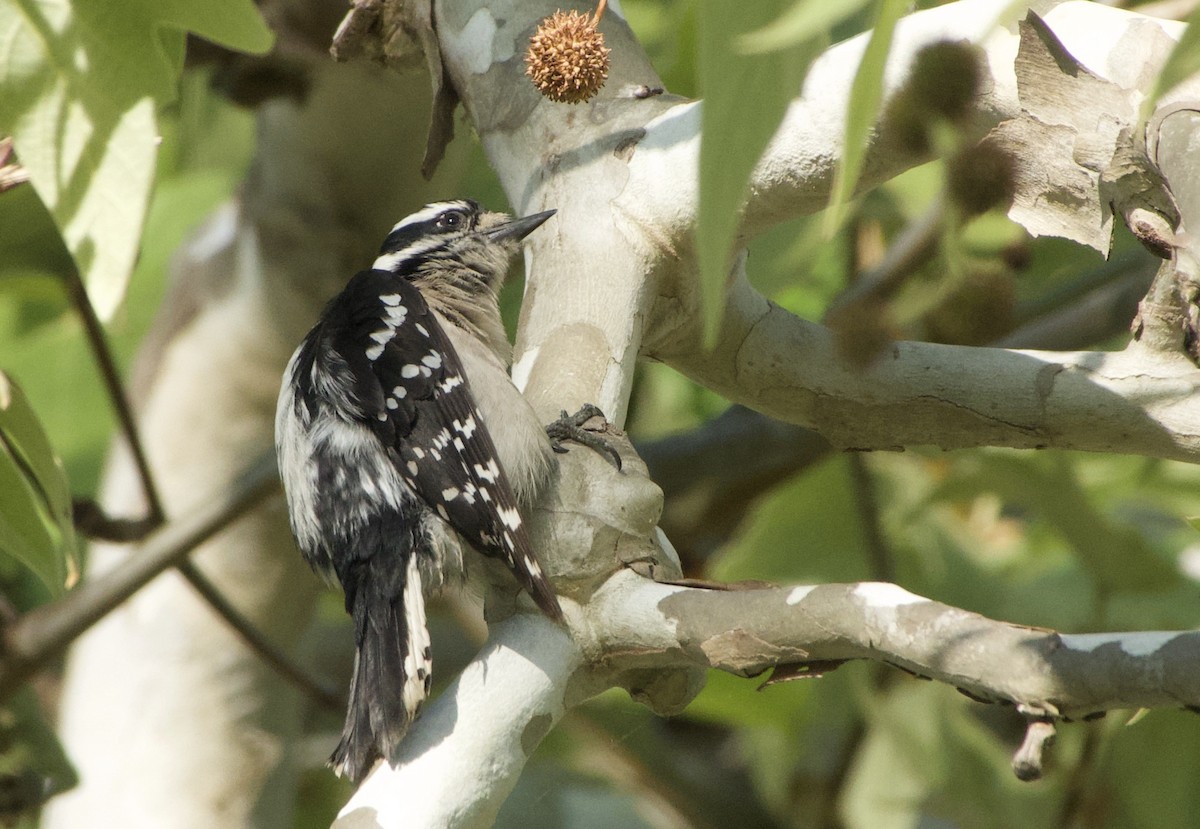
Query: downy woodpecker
{"x": 401, "y": 439}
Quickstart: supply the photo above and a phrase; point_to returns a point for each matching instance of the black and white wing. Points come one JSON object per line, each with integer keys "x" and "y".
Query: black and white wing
{"x": 415, "y": 397}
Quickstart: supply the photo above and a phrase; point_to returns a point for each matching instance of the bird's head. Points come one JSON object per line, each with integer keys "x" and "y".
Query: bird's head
{"x": 458, "y": 241}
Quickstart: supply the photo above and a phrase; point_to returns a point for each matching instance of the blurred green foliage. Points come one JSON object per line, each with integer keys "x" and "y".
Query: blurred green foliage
{"x": 1062, "y": 540}
{"x": 80, "y": 87}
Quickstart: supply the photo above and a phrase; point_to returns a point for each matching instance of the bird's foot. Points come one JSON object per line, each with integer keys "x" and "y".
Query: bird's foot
{"x": 570, "y": 427}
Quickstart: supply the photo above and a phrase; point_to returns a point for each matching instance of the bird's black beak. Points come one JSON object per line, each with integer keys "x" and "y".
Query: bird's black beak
{"x": 519, "y": 228}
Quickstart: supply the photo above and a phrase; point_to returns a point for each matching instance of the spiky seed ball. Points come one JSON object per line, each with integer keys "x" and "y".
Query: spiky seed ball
{"x": 567, "y": 59}
{"x": 946, "y": 77}
{"x": 982, "y": 177}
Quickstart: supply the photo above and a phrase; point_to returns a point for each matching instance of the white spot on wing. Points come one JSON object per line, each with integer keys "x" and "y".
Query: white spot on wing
{"x": 432, "y": 359}
{"x": 450, "y": 493}
{"x": 373, "y": 352}
{"x": 467, "y": 428}
{"x": 510, "y": 517}
{"x": 485, "y": 473}
{"x": 409, "y": 371}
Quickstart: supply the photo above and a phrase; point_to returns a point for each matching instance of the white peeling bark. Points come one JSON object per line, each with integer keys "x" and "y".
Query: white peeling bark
{"x": 746, "y": 632}
{"x": 464, "y": 754}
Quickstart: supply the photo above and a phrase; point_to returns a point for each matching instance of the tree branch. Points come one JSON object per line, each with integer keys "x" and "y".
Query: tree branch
{"x": 43, "y": 633}
{"x": 249, "y": 633}
{"x": 1044, "y": 673}
{"x": 465, "y": 752}
{"x": 616, "y": 266}
{"x": 1135, "y": 401}
{"x": 711, "y": 475}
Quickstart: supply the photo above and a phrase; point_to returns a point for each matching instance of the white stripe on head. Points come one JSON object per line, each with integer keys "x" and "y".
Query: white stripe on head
{"x": 389, "y": 261}
{"x": 429, "y": 212}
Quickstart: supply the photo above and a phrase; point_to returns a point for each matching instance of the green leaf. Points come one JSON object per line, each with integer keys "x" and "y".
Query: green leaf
{"x": 79, "y": 84}
{"x": 745, "y": 97}
{"x": 805, "y": 531}
{"x": 33, "y": 766}
{"x": 1152, "y": 772}
{"x": 1116, "y": 555}
{"x": 866, "y": 93}
{"x": 805, "y": 20}
{"x": 35, "y": 501}
{"x": 30, "y": 245}
{"x": 1181, "y": 64}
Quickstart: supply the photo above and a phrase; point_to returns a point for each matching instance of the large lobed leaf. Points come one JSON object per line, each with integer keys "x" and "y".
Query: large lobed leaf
{"x": 79, "y": 85}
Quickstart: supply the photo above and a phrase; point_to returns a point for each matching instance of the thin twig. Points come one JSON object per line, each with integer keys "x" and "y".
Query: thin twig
{"x": 881, "y": 561}
{"x": 42, "y": 633}
{"x": 209, "y": 592}
{"x": 116, "y": 391}
{"x": 266, "y": 649}
{"x": 916, "y": 245}
{"x": 599, "y": 12}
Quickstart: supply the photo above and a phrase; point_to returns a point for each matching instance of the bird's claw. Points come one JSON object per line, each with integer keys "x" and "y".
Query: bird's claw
{"x": 570, "y": 427}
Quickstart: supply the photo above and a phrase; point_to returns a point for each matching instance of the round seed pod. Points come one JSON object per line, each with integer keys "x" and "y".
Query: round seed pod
{"x": 567, "y": 59}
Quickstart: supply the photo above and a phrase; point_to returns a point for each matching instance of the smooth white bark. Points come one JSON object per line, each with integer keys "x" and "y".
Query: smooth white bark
{"x": 467, "y": 748}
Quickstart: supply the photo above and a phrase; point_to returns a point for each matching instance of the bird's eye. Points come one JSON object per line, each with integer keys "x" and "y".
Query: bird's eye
{"x": 451, "y": 220}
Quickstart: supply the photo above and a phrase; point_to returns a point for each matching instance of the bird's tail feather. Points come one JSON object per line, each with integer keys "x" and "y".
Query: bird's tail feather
{"x": 392, "y": 665}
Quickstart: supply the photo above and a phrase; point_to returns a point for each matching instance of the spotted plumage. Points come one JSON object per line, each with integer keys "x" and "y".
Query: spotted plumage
{"x": 399, "y": 434}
